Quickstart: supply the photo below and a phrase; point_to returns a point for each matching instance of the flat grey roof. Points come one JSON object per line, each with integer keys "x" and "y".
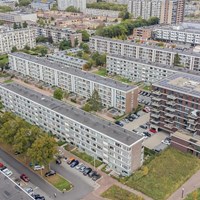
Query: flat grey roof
{"x": 181, "y": 83}
{"x": 76, "y": 72}
{"x": 124, "y": 136}
{"x": 152, "y": 47}
{"x": 11, "y": 191}
{"x": 157, "y": 65}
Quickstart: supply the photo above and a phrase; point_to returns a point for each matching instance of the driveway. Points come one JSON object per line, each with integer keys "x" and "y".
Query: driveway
{"x": 80, "y": 190}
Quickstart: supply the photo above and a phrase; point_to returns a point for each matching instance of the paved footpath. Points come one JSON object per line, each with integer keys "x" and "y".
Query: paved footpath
{"x": 189, "y": 186}
{"x": 104, "y": 183}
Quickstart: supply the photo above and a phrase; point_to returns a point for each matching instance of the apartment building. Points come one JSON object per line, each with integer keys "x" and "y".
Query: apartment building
{"x": 78, "y": 4}
{"x": 121, "y": 149}
{"x": 142, "y": 33}
{"x": 137, "y": 70}
{"x": 68, "y": 61}
{"x": 100, "y": 12}
{"x": 113, "y": 93}
{"x": 42, "y": 5}
{"x": 18, "y": 38}
{"x": 172, "y": 11}
{"x": 59, "y": 34}
{"x": 145, "y": 8}
{"x": 188, "y": 59}
{"x": 176, "y": 104}
{"x": 18, "y": 17}
{"x": 187, "y": 33}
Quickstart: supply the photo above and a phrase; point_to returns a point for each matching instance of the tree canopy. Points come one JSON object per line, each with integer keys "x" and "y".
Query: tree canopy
{"x": 85, "y": 35}
{"x": 125, "y": 28}
{"x": 65, "y": 44}
{"x": 72, "y": 9}
{"x": 58, "y": 94}
{"x": 107, "y": 6}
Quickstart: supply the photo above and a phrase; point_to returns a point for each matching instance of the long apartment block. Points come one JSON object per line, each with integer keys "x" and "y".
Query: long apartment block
{"x": 18, "y": 38}
{"x": 69, "y": 61}
{"x": 113, "y": 93}
{"x": 176, "y": 104}
{"x": 183, "y": 33}
{"x": 137, "y": 70}
{"x": 120, "y": 148}
{"x": 152, "y": 53}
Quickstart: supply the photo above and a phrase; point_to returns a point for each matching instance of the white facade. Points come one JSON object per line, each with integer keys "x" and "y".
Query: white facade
{"x": 119, "y": 148}
{"x": 99, "y": 12}
{"x": 18, "y": 17}
{"x": 188, "y": 59}
{"x": 79, "y": 4}
{"x": 183, "y": 33}
{"x": 18, "y": 38}
{"x": 113, "y": 94}
{"x": 145, "y": 8}
{"x": 137, "y": 70}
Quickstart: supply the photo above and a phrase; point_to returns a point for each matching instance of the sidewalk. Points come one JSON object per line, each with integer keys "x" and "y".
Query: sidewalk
{"x": 189, "y": 186}
{"x": 104, "y": 183}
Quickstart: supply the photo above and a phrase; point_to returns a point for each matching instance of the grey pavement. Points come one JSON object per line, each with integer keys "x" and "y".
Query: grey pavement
{"x": 80, "y": 189}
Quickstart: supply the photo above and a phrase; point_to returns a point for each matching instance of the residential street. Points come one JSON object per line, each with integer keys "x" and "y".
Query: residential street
{"x": 81, "y": 188}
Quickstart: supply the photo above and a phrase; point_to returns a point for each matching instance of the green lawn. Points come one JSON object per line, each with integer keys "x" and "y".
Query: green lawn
{"x": 8, "y": 81}
{"x": 117, "y": 193}
{"x": 147, "y": 87}
{"x": 87, "y": 158}
{"x": 122, "y": 79}
{"x": 163, "y": 175}
{"x": 101, "y": 72}
{"x": 59, "y": 182}
{"x": 195, "y": 195}
{"x": 60, "y": 142}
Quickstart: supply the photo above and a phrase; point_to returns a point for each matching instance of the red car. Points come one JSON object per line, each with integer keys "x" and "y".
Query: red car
{"x": 153, "y": 130}
{"x": 1, "y": 165}
{"x": 24, "y": 178}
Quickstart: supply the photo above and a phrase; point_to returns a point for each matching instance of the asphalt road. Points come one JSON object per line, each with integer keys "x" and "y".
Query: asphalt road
{"x": 81, "y": 188}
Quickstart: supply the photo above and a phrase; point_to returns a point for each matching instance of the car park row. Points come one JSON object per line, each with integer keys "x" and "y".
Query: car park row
{"x": 86, "y": 171}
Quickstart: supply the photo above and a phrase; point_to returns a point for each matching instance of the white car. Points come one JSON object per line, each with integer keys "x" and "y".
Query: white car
{"x": 167, "y": 142}
{"x": 7, "y": 172}
{"x": 29, "y": 190}
{"x": 79, "y": 166}
{"x": 38, "y": 167}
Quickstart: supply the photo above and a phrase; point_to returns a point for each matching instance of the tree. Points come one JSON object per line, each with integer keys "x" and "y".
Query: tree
{"x": 153, "y": 21}
{"x": 15, "y": 25}
{"x": 87, "y": 107}
{"x": 72, "y": 9}
{"x": 85, "y": 47}
{"x": 86, "y": 67}
{"x": 76, "y": 42}
{"x": 195, "y": 195}
{"x": 43, "y": 150}
{"x": 27, "y": 47}
{"x": 177, "y": 60}
{"x": 65, "y": 44}
{"x": 85, "y": 35}
{"x": 58, "y": 94}
{"x": 14, "y": 49}
{"x": 24, "y": 2}
{"x": 95, "y": 101}
{"x": 41, "y": 39}
{"x": 24, "y": 25}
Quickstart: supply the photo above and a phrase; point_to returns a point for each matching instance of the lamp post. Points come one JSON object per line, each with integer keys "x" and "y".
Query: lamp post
{"x": 182, "y": 194}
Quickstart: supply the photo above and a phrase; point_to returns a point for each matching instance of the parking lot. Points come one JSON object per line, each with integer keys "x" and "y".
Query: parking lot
{"x": 27, "y": 186}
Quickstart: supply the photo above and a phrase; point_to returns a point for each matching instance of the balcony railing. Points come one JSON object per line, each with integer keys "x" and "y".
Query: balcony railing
{"x": 171, "y": 97}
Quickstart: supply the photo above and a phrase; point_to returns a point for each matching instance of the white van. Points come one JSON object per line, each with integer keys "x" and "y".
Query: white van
{"x": 38, "y": 167}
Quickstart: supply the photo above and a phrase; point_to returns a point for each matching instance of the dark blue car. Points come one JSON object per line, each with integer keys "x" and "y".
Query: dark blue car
{"x": 74, "y": 163}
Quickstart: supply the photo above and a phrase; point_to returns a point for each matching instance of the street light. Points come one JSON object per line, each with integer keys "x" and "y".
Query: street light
{"x": 182, "y": 192}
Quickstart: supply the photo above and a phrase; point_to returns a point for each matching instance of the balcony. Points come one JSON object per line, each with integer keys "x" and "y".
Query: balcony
{"x": 172, "y": 97}
{"x": 154, "y": 121}
{"x": 169, "y": 115}
{"x": 155, "y": 104}
{"x": 168, "y": 126}
{"x": 191, "y": 128}
{"x": 156, "y": 99}
{"x": 153, "y": 110}
{"x": 170, "y": 103}
{"x": 169, "y": 109}
{"x": 156, "y": 93}
{"x": 155, "y": 115}
{"x": 193, "y": 122}
{"x": 169, "y": 120}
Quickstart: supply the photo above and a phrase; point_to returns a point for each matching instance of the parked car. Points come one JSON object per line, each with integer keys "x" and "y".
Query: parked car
{"x": 1, "y": 165}
{"x": 147, "y": 134}
{"x": 92, "y": 173}
{"x": 38, "y": 167}
{"x": 7, "y": 172}
{"x": 130, "y": 119}
{"x": 29, "y": 190}
{"x": 167, "y": 141}
{"x": 134, "y": 116}
{"x": 96, "y": 177}
{"x": 74, "y": 163}
{"x": 58, "y": 161}
{"x": 119, "y": 123}
{"x": 79, "y": 166}
{"x": 82, "y": 168}
{"x": 70, "y": 160}
{"x": 4, "y": 167}
{"x": 146, "y": 109}
{"x": 153, "y": 130}
{"x": 38, "y": 197}
{"x": 87, "y": 171}
{"x": 144, "y": 126}
{"x": 24, "y": 178}
{"x": 50, "y": 173}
